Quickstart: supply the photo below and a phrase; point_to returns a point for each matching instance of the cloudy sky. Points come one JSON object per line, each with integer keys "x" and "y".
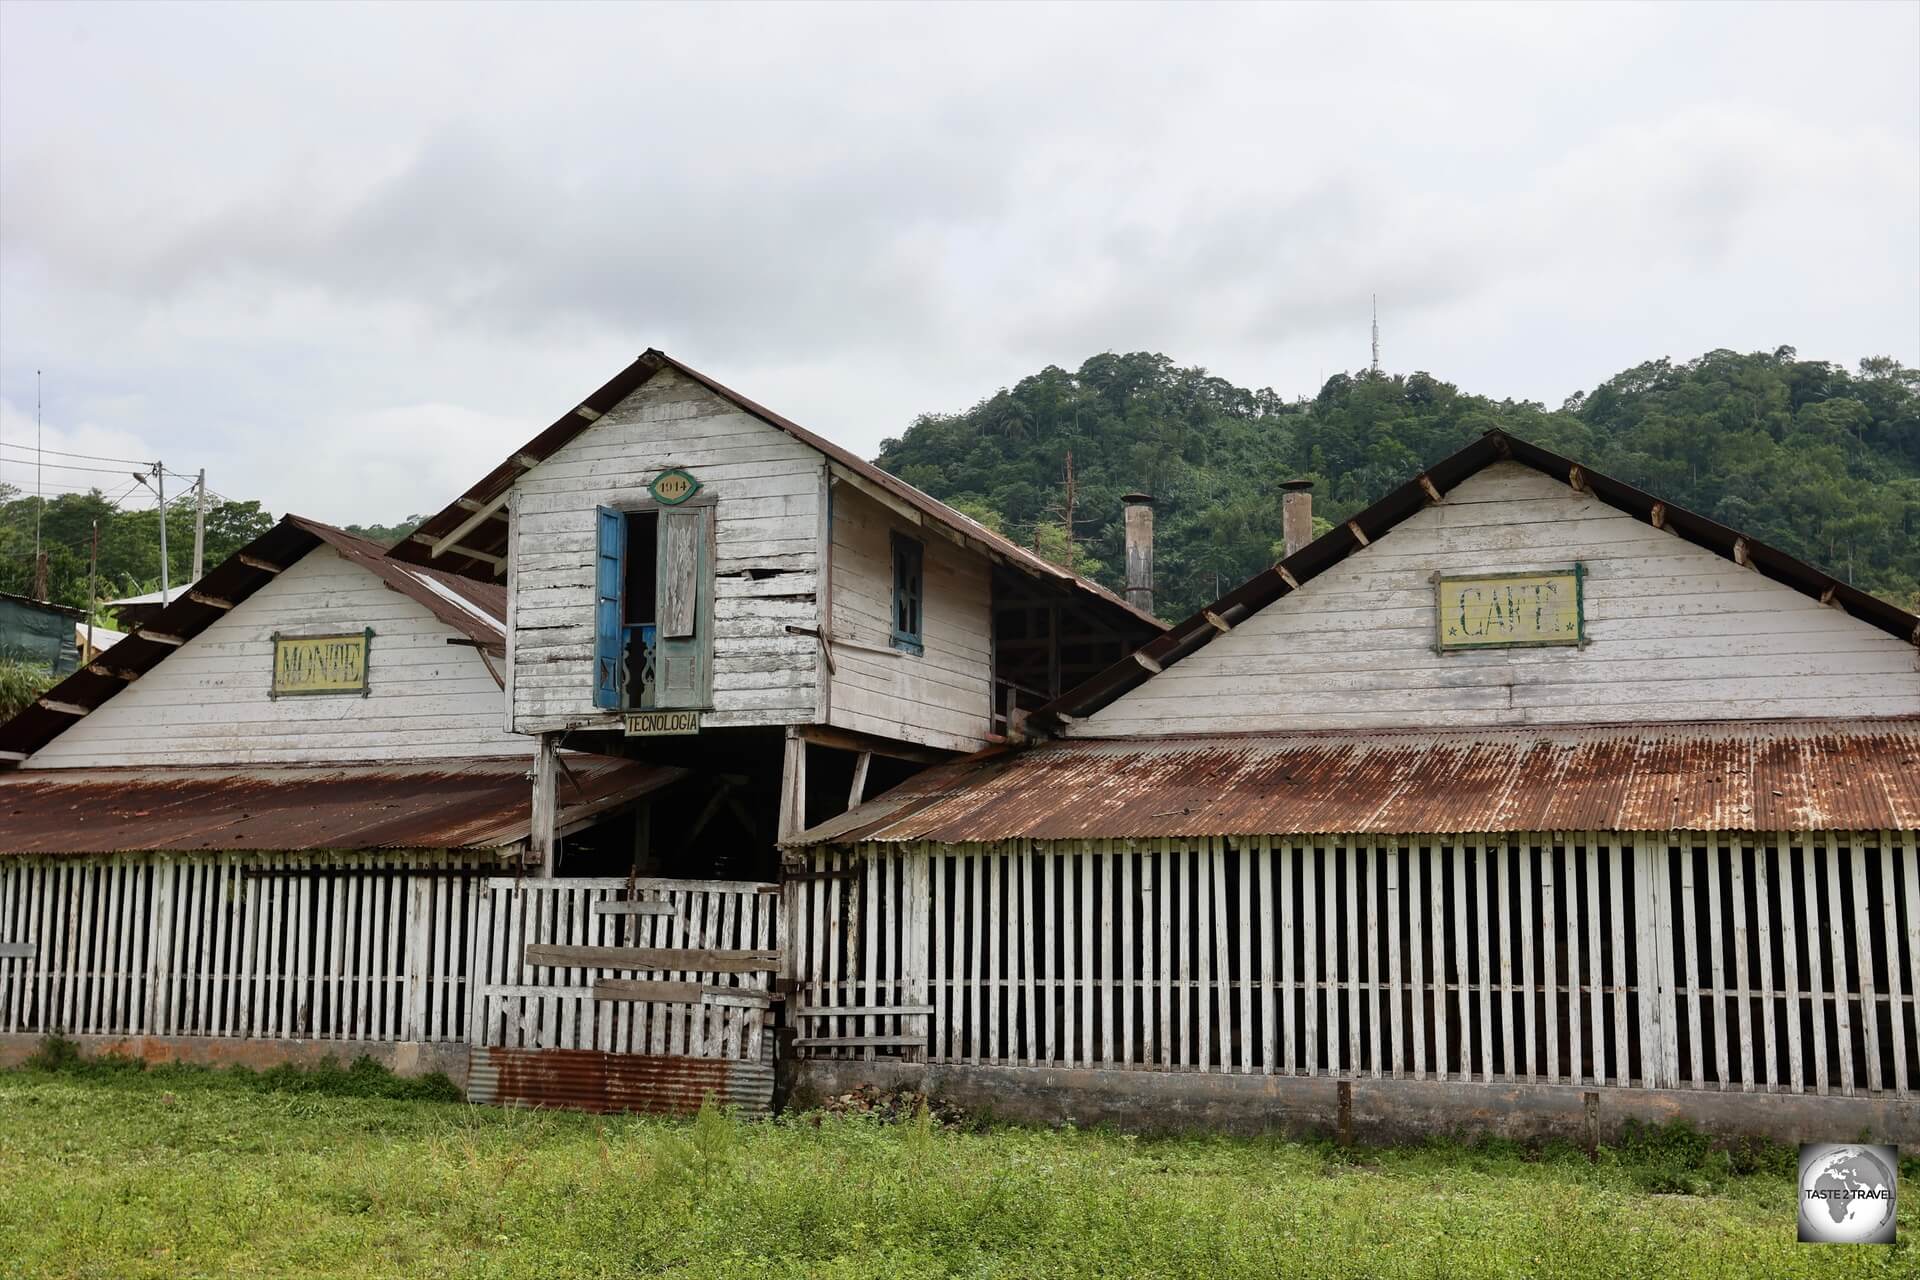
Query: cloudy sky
{"x": 346, "y": 259}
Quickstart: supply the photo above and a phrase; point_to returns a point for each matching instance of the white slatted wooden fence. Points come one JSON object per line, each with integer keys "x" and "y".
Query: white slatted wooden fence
{"x": 351, "y": 946}
{"x": 521, "y": 1005}
{"x": 1727, "y": 961}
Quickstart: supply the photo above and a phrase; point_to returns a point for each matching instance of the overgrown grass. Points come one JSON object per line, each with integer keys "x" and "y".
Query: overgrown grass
{"x": 114, "y": 1171}
{"x": 20, "y": 683}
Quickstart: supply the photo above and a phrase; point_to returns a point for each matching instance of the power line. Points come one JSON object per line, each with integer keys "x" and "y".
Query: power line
{"x": 75, "y": 466}
{"x": 63, "y": 453}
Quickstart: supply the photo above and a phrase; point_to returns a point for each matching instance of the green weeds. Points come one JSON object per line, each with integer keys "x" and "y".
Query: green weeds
{"x": 175, "y": 1171}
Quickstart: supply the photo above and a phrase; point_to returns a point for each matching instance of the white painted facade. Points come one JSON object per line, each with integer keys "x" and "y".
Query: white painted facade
{"x": 208, "y": 703}
{"x": 1675, "y": 632}
{"x": 767, "y": 521}
{"x": 774, "y": 530}
{"x": 939, "y": 697}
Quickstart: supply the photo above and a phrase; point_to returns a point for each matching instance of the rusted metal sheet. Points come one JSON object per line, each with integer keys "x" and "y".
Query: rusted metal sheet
{"x": 442, "y": 804}
{"x": 588, "y": 1080}
{"x": 1750, "y": 776}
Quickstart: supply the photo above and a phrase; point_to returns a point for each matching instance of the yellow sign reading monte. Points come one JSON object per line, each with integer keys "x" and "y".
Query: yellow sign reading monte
{"x": 321, "y": 664}
{"x": 1511, "y": 610}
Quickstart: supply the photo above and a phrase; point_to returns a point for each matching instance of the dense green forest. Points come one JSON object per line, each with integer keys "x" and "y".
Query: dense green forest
{"x": 129, "y": 542}
{"x": 1805, "y": 455}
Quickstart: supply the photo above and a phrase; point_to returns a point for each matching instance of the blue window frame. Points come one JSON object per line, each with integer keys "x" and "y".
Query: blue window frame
{"x": 909, "y": 593}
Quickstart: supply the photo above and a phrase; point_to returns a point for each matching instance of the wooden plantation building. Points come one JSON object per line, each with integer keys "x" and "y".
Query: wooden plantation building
{"x": 693, "y": 578}
{"x": 1521, "y": 801}
{"x": 505, "y": 800}
{"x": 269, "y": 823}
{"x": 694, "y": 581}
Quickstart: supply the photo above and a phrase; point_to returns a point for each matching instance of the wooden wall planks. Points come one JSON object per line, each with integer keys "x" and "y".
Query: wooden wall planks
{"x": 1548, "y": 956}
{"x": 939, "y": 697}
{"x": 209, "y": 703}
{"x": 766, "y": 523}
{"x": 321, "y": 946}
{"x": 1677, "y": 634}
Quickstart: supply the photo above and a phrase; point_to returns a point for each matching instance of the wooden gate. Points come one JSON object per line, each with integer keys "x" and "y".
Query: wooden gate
{"x": 625, "y": 995}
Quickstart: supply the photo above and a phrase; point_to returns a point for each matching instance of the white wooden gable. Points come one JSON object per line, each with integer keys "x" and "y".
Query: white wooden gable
{"x": 1675, "y": 632}
{"x": 208, "y": 702}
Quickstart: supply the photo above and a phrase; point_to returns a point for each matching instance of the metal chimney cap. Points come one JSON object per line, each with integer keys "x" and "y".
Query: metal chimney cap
{"x": 1135, "y": 499}
{"x": 1296, "y": 486}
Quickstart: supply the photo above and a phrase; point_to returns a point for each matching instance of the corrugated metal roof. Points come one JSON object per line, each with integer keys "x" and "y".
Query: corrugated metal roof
{"x": 1754, "y": 776}
{"x": 490, "y": 537}
{"x": 439, "y": 804}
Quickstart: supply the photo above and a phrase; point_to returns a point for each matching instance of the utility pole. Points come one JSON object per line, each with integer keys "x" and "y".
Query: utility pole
{"x": 160, "y": 480}
{"x": 199, "y": 522}
{"x": 93, "y": 591}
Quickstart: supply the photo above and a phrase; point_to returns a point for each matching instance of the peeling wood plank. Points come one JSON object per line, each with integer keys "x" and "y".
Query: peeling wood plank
{"x": 682, "y": 959}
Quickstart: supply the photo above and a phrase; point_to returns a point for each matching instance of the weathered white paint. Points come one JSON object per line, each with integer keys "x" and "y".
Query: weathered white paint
{"x": 520, "y": 1005}
{"x": 767, "y": 487}
{"x": 324, "y": 946}
{"x": 1487, "y": 980}
{"x": 1677, "y": 633}
{"x": 208, "y": 702}
{"x": 939, "y": 697}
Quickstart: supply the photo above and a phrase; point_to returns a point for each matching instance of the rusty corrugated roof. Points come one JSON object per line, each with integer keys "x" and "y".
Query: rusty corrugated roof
{"x": 438, "y": 804}
{"x": 1753, "y": 776}
{"x": 589, "y": 1080}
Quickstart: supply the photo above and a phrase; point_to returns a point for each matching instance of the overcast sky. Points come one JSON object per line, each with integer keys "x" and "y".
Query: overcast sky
{"x": 346, "y": 259}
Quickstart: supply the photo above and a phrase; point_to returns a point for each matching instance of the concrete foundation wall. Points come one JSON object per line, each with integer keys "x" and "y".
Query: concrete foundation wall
{"x": 1368, "y": 1111}
{"x": 402, "y": 1057}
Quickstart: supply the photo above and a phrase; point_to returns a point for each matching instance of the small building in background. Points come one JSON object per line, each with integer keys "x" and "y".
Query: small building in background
{"x": 1522, "y": 802}
{"x": 37, "y": 634}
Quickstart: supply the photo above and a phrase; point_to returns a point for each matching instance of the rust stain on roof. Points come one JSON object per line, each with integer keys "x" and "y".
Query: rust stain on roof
{"x": 464, "y": 804}
{"x": 1772, "y": 776}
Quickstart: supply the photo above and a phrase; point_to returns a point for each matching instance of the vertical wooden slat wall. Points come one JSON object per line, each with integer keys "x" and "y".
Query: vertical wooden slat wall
{"x": 1781, "y": 962}
{"x": 349, "y": 946}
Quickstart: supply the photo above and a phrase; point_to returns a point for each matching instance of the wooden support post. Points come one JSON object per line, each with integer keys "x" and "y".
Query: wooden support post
{"x": 859, "y": 790}
{"x": 419, "y": 938}
{"x": 793, "y": 786}
{"x": 541, "y": 835}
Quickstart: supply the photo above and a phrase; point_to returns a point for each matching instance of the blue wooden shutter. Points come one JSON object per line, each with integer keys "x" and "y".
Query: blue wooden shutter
{"x": 610, "y": 564}
{"x": 908, "y": 594}
{"x": 683, "y": 654}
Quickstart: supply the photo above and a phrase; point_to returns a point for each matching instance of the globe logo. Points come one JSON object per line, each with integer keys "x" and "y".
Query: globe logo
{"x": 1847, "y": 1193}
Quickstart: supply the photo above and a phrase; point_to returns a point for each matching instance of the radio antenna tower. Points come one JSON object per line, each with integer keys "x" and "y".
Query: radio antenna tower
{"x": 1376, "y": 333}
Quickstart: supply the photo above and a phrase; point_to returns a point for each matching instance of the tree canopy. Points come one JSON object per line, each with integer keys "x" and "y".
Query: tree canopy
{"x": 129, "y": 543}
{"x": 1806, "y": 455}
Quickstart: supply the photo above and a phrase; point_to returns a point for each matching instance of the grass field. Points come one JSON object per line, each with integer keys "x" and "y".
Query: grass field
{"x": 182, "y": 1172}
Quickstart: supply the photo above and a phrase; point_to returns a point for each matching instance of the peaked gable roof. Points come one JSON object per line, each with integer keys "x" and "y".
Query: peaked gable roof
{"x": 488, "y": 535}
{"x": 1429, "y": 487}
{"x": 476, "y": 610}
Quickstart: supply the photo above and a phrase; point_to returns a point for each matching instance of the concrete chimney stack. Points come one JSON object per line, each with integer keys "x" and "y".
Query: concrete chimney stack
{"x": 1296, "y": 513}
{"x": 1139, "y": 512}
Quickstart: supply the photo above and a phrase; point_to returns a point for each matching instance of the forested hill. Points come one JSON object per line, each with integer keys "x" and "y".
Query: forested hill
{"x": 1805, "y": 455}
